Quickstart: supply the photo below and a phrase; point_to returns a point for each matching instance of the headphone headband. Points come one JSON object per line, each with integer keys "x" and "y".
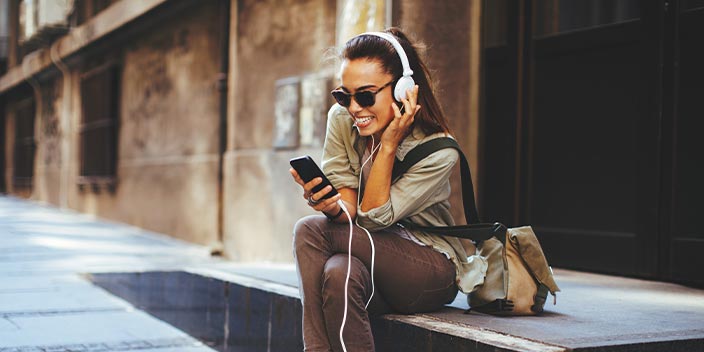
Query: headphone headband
{"x": 399, "y": 49}
{"x": 405, "y": 82}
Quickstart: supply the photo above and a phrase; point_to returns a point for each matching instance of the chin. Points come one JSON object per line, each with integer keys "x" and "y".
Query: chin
{"x": 366, "y": 131}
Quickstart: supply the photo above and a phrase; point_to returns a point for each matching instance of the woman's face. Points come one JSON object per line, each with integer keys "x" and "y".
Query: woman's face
{"x": 368, "y": 75}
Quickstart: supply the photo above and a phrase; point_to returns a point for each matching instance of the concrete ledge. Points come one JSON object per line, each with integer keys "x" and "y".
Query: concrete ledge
{"x": 425, "y": 332}
{"x": 224, "y": 315}
{"x": 232, "y": 308}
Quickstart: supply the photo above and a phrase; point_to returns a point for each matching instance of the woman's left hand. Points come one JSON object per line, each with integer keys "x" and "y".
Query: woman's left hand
{"x": 398, "y": 128}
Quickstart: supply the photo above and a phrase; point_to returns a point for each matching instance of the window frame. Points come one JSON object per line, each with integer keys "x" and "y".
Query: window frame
{"x": 109, "y": 119}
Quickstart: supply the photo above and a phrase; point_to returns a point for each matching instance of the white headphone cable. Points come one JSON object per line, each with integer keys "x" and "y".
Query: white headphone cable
{"x": 349, "y": 249}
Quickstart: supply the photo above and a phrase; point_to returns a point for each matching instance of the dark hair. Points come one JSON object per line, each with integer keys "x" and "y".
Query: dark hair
{"x": 430, "y": 118}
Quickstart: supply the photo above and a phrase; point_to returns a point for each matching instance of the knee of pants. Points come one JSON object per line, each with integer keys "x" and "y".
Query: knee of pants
{"x": 335, "y": 274}
{"x": 307, "y": 228}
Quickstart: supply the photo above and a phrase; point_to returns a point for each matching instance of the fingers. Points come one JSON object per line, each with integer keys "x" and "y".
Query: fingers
{"x": 318, "y": 196}
{"x": 328, "y": 205}
{"x": 397, "y": 112}
{"x": 315, "y": 199}
{"x": 295, "y": 176}
{"x": 308, "y": 187}
{"x": 410, "y": 104}
{"x": 404, "y": 117}
{"x": 412, "y": 95}
{"x": 322, "y": 204}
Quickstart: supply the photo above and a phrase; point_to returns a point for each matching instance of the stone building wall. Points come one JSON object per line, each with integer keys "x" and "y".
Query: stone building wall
{"x": 168, "y": 137}
{"x": 289, "y": 41}
{"x": 8, "y": 143}
{"x": 444, "y": 28}
{"x": 21, "y": 98}
{"x": 280, "y": 75}
{"x": 274, "y": 40}
{"x": 48, "y": 134}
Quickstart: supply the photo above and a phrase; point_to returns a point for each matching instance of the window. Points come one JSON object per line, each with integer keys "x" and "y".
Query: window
{"x": 559, "y": 16}
{"x": 84, "y": 10}
{"x": 23, "y": 168}
{"x": 99, "y": 125}
{"x": 692, "y": 4}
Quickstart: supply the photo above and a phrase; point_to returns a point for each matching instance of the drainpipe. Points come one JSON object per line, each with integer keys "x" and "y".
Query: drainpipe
{"x": 224, "y": 22}
{"x": 65, "y": 126}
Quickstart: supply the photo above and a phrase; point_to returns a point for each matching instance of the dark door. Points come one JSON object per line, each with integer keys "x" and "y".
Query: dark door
{"x": 683, "y": 243}
{"x": 577, "y": 98}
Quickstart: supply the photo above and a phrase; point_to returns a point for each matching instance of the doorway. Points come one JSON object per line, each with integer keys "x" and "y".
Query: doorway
{"x": 590, "y": 124}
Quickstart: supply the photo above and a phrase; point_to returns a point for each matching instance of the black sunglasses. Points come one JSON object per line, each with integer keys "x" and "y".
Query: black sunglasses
{"x": 364, "y": 98}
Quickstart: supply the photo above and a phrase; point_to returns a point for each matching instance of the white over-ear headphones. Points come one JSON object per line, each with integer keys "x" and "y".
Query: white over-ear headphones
{"x": 406, "y": 81}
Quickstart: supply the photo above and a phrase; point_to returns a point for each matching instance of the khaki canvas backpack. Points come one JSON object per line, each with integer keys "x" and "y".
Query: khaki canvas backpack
{"x": 518, "y": 278}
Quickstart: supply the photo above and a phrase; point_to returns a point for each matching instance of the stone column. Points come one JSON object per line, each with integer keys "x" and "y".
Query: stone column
{"x": 359, "y": 16}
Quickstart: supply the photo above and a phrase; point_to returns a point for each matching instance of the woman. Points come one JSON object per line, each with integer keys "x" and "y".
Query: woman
{"x": 413, "y": 271}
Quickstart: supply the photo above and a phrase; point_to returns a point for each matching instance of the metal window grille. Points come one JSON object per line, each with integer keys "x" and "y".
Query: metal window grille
{"x": 98, "y": 131}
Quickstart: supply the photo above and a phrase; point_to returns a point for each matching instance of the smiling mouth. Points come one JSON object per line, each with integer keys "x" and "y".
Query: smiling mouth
{"x": 362, "y": 121}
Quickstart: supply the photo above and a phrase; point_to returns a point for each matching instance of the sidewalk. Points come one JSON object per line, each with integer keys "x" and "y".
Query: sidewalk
{"x": 48, "y": 258}
{"x": 45, "y": 303}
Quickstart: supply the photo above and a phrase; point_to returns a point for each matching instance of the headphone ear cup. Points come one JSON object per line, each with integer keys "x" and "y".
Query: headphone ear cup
{"x": 404, "y": 83}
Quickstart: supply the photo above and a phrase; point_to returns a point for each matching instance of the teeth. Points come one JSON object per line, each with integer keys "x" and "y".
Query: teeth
{"x": 361, "y": 120}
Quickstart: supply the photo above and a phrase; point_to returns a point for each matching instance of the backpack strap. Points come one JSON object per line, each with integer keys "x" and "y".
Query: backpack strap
{"x": 421, "y": 151}
{"x": 474, "y": 230}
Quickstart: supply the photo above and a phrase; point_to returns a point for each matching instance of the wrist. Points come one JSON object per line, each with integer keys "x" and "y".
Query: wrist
{"x": 388, "y": 150}
{"x": 333, "y": 217}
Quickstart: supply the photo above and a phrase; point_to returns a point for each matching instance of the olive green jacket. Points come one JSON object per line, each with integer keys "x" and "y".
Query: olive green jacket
{"x": 421, "y": 195}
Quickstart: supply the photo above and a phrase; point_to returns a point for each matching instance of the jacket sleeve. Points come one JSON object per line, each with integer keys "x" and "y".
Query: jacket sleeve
{"x": 423, "y": 185}
{"x": 337, "y": 162}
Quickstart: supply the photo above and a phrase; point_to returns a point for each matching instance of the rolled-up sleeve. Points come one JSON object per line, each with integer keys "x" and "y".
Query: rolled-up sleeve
{"x": 424, "y": 184}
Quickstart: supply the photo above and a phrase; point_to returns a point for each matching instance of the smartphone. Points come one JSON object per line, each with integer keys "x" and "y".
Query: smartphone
{"x": 308, "y": 170}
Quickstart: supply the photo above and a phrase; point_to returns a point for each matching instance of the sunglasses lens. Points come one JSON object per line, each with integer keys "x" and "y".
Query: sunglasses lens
{"x": 364, "y": 99}
{"x": 341, "y": 98}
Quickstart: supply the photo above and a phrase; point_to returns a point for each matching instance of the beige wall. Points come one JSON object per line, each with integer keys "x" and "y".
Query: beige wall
{"x": 168, "y": 138}
{"x": 9, "y": 142}
{"x": 275, "y": 39}
{"x": 48, "y": 158}
{"x": 445, "y": 27}
{"x": 10, "y": 138}
{"x": 168, "y": 135}
{"x": 262, "y": 203}
{"x": 169, "y": 119}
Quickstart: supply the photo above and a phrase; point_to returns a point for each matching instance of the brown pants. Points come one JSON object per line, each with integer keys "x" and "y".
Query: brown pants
{"x": 409, "y": 278}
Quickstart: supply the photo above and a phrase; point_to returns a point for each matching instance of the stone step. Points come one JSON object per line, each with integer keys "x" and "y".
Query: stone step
{"x": 233, "y": 310}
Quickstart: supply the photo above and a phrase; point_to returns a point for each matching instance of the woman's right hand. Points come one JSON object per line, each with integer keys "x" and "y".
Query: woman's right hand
{"x": 400, "y": 126}
{"x": 315, "y": 200}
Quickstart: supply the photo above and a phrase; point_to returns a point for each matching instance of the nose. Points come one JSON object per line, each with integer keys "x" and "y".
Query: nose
{"x": 354, "y": 107}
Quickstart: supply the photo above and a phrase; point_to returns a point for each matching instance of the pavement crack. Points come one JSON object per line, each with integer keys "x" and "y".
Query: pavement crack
{"x": 57, "y": 312}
